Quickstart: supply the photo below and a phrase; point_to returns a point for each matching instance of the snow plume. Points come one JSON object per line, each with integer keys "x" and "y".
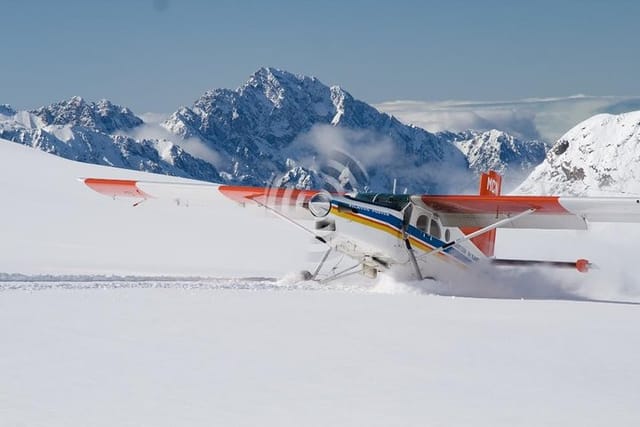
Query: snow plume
{"x": 153, "y": 129}
{"x": 612, "y": 248}
{"x": 485, "y": 282}
{"x": 388, "y": 284}
{"x": 612, "y": 278}
{"x": 605, "y": 285}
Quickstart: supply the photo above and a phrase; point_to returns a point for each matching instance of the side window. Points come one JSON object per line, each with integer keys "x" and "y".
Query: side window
{"x": 435, "y": 229}
{"x": 422, "y": 223}
{"x": 447, "y": 235}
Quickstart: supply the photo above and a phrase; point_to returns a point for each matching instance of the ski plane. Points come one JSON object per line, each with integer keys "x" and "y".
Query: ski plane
{"x": 428, "y": 236}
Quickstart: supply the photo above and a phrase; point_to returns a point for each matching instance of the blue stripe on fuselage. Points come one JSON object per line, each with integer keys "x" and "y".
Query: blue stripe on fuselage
{"x": 372, "y": 213}
{"x": 436, "y": 243}
{"x": 395, "y": 222}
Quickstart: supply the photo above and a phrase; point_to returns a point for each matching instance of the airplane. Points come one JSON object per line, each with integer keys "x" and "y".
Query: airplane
{"x": 437, "y": 237}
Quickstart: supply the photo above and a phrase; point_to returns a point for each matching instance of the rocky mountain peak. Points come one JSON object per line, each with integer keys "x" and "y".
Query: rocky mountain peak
{"x": 499, "y": 151}
{"x": 270, "y": 83}
{"x": 102, "y": 115}
{"x": 6, "y": 110}
{"x": 255, "y": 127}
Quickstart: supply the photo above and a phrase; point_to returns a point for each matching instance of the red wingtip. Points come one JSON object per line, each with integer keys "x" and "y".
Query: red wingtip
{"x": 582, "y": 265}
{"x": 115, "y": 187}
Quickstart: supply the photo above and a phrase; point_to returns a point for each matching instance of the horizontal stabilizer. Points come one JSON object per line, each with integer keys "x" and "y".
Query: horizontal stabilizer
{"x": 582, "y": 265}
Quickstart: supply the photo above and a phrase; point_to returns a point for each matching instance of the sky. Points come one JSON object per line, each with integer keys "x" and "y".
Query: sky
{"x": 155, "y": 55}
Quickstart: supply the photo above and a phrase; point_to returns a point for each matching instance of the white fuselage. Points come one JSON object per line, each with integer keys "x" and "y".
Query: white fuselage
{"x": 377, "y": 236}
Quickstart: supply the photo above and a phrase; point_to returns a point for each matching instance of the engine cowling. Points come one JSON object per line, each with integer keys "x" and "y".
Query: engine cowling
{"x": 320, "y": 205}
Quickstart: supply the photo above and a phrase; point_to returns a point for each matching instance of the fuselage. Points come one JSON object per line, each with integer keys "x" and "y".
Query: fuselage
{"x": 385, "y": 231}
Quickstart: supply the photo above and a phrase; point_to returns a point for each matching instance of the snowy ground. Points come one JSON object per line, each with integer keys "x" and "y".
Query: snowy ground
{"x": 209, "y": 355}
{"x": 117, "y": 349}
{"x": 53, "y": 224}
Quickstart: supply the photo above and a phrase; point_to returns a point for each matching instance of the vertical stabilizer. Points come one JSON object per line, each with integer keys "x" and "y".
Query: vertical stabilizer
{"x": 490, "y": 185}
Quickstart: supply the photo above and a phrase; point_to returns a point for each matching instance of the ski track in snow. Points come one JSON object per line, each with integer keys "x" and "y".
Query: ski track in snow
{"x": 40, "y": 283}
{"x": 498, "y": 289}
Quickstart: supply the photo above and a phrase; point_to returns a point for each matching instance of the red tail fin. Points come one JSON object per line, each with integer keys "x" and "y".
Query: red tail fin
{"x": 490, "y": 185}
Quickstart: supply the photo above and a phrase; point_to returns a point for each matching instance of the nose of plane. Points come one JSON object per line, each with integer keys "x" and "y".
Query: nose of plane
{"x": 320, "y": 205}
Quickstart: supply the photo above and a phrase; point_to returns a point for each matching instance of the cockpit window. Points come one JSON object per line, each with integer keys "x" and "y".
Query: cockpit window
{"x": 422, "y": 223}
{"x": 392, "y": 201}
{"x": 435, "y": 229}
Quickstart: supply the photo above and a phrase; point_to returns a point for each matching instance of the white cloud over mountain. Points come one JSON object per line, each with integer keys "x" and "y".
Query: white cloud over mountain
{"x": 545, "y": 118}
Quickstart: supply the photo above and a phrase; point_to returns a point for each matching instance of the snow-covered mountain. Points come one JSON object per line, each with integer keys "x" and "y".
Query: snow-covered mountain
{"x": 496, "y": 150}
{"x": 601, "y": 155}
{"x": 279, "y": 124}
{"x": 82, "y": 131}
{"x": 277, "y": 120}
{"x": 6, "y": 111}
{"x": 102, "y": 116}
{"x": 277, "y": 128}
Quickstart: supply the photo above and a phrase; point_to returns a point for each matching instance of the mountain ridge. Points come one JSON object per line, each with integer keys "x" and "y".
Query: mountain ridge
{"x": 274, "y": 109}
{"x": 276, "y": 128}
{"x": 85, "y": 132}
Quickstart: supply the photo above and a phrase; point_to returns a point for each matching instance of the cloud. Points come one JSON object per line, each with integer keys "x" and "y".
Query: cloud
{"x": 341, "y": 156}
{"x": 152, "y": 129}
{"x": 382, "y": 159}
{"x": 539, "y": 118}
{"x": 368, "y": 147}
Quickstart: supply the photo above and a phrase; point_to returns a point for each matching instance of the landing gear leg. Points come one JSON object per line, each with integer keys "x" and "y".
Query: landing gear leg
{"x": 412, "y": 257}
{"x": 344, "y": 273}
{"x": 319, "y": 267}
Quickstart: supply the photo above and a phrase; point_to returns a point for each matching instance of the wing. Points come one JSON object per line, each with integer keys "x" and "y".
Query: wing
{"x": 547, "y": 212}
{"x": 293, "y": 201}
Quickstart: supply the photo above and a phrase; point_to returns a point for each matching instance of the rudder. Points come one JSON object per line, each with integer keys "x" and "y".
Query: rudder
{"x": 490, "y": 185}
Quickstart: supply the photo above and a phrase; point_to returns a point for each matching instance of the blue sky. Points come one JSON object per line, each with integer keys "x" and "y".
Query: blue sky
{"x": 154, "y": 55}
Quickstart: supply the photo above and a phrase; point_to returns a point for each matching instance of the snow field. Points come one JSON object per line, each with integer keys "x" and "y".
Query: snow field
{"x": 167, "y": 356}
{"x": 89, "y": 350}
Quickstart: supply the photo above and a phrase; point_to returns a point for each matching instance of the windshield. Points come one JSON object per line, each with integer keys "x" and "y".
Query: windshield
{"x": 388, "y": 200}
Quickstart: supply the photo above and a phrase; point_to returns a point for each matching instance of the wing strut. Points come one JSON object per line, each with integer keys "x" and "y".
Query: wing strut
{"x": 479, "y": 232}
{"x": 289, "y": 220}
{"x": 319, "y": 267}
